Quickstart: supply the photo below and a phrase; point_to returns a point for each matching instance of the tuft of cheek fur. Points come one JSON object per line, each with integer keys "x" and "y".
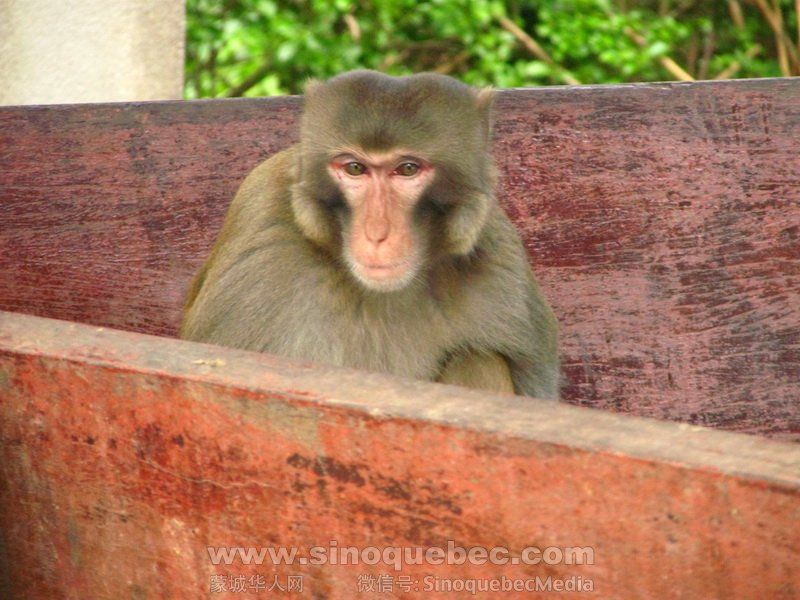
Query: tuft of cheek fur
{"x": 465, "y": 224}
{"x": 310, "y": 218}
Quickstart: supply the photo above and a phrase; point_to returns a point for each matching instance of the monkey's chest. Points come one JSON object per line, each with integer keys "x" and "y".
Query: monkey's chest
{"x": 409, "y": 341}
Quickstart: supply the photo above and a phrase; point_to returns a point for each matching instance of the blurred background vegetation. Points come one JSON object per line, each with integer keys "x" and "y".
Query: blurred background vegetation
{"x": 270, "y": 47}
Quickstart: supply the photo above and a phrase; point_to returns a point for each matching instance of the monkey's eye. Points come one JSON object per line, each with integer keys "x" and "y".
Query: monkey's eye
{"x": 407, "y": 169}
{"x": 355, "y": 168}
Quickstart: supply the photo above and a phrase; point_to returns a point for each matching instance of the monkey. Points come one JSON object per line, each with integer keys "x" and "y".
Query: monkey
{"x": 377, "y": 243}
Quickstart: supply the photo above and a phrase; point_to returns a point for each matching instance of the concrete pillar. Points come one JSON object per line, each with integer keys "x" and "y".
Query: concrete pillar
{"x": 63, "y": 51}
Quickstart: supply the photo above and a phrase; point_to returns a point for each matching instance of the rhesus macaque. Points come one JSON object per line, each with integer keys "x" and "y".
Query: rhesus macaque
{"x": 377, "y": 243}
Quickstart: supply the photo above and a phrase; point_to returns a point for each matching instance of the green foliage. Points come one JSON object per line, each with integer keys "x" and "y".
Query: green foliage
{"x": 269, "y": 47}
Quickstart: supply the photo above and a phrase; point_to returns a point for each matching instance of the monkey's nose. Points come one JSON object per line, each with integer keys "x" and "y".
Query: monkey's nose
{"x": 377, "y": 231}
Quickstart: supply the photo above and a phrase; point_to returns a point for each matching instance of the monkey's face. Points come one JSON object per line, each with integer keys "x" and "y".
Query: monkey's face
{"x": 381, "y": 243}
{"x": 393, "y": 172}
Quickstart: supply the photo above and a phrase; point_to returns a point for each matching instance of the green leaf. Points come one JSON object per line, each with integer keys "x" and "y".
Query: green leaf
{"x": 657, "y": 49}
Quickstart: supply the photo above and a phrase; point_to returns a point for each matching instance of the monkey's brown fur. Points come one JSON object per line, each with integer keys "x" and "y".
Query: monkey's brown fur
{"x": 276, "y": 281}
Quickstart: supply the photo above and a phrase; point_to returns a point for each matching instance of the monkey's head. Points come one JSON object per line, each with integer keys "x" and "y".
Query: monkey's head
{"x": 393, "y": 172}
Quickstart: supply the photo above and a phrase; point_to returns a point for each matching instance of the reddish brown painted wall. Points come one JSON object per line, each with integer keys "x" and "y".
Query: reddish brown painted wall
{"x": 661, "y": 219}
{"x": 123, "y": 456}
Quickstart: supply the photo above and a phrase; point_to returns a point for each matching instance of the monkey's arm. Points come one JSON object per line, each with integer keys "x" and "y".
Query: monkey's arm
{"x": 256, "y": 218}
{"x": 513, "y": 320}
{"x": 482, "y": 371}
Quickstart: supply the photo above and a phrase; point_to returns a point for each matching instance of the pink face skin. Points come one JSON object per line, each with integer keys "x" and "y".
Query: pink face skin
{"x": 382, "y": 190}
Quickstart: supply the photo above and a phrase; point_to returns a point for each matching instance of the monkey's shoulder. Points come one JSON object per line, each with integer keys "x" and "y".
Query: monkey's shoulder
{"x": 499, "y": 258}
{"x": 264, "y": 195}
{"x": 494, "y": 291}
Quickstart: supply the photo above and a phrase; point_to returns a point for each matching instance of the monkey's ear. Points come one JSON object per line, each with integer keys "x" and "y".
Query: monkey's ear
{"x": 466, "y": 222}
{"x": 311, "y": 85}
{"x": 308, "y": 215}
{"x": 484, "y": 98}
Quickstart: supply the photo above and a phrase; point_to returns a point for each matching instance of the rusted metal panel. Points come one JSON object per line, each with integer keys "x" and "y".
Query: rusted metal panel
{"x": 124, "y": 456}
{"x": 666, "y": 221}
{"x": 661, "y": 219}
{"x": 108, "y": 208}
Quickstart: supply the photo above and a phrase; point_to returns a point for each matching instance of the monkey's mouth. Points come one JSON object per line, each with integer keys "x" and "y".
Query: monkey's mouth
{"x": 383, "y": 277}
{"x": 383, "y": 271}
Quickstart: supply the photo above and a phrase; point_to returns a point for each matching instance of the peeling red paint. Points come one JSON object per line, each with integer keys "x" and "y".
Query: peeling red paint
{"x": 123, "y": 463}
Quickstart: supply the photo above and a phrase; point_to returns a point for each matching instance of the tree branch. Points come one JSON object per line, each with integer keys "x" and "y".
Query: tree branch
{"x": 666, "y": 62}
{"x": 534, "y": 48}
{"x": 670, "y": 65}
{"x": 253, "y": 79}
{"x": 797, "y": 18}
{"x": 734, "y": 67}
{"x": 708, "y": 53}
{"x": 736, "y": 13}
{"x": 786, "y": 48}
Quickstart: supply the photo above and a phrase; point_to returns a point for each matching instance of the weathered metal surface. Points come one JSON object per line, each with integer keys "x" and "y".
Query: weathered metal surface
{"x": 661, "y": 219}
{"x": 666, "y": 221}
{"x": 106, "y": 209}
{"x": 124, "y": 456}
